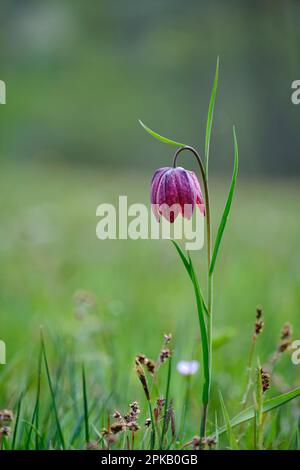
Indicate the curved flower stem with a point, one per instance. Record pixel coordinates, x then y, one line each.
207 383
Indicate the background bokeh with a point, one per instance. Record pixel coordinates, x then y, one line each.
79 75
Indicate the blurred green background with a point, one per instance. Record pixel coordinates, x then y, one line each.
79 75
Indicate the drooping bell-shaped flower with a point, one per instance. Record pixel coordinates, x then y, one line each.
175 191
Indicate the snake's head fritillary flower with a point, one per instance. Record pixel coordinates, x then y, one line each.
187 367
175 191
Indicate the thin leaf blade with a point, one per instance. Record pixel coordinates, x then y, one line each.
59 429
227 206
161 137
268 405
16 428
231 437
210 115
187 266
183 257
85 407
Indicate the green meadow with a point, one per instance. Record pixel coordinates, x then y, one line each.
100 303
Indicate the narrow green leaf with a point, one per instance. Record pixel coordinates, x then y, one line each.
85 407
227 206
210 116
183 257
17 423
187 266
198 287
203 331
35 416
268 405
232 440
297 440
160 137
95 405
60 434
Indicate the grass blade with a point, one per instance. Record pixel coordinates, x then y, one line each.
38 392
210 116
267 406
166 404
35 416
232 440
160 137
227 206
217 431
60 434
17 423
31 427
297 439
85 406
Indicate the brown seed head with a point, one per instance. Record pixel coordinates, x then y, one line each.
134 407
141 375
117 415
284 345
164 355
5 431
6 416
117 427
286 331
167 338
195 442
150 365
134 412
141 358
265 379
132 426
159 406
208 442
259 312
259 325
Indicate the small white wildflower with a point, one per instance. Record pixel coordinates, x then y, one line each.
187 367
